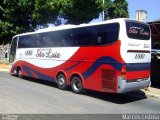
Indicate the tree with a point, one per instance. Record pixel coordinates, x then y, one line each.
80 11
46 12
117 9
18 16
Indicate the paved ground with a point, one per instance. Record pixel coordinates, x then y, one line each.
153 91
26 96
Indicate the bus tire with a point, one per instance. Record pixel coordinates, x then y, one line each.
19 72
76 85
61 81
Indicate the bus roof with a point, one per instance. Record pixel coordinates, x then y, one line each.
62 27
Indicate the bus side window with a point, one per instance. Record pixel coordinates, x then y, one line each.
25 41
21 43
28 41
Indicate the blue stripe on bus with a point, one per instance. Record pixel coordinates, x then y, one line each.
116 65
138 66
106 60
28 71
71 67
102 61
40 75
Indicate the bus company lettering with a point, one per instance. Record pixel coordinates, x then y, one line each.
143 32
47 53
133 30
137 30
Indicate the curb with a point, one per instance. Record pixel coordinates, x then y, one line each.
4 67
4 70
152 93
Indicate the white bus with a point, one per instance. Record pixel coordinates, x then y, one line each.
110 56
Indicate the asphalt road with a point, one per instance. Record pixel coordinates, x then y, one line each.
26 96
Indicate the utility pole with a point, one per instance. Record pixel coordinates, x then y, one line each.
103 13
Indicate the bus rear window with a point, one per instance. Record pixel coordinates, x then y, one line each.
137 30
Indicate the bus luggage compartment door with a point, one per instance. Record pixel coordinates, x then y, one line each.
108 80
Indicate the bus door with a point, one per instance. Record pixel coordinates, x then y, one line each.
13 50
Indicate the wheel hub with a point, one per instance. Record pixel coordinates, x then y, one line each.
61 81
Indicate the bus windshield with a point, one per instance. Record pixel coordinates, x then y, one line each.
137 30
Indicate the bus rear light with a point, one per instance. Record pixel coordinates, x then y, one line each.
123 72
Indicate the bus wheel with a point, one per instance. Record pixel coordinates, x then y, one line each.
19 72
61 82
76 85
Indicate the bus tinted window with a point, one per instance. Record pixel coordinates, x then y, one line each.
137 30
24 41
83 36
96 35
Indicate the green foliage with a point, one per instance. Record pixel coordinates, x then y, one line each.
66 11
6 31
80 11
117 9
18 16
45 12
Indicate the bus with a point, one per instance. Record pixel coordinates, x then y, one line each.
111 56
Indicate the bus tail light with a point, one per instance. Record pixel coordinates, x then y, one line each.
123 72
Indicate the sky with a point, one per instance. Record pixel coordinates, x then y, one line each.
151 6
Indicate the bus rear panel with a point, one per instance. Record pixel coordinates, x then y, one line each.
136 52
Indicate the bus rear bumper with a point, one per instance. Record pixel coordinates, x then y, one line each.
124 86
